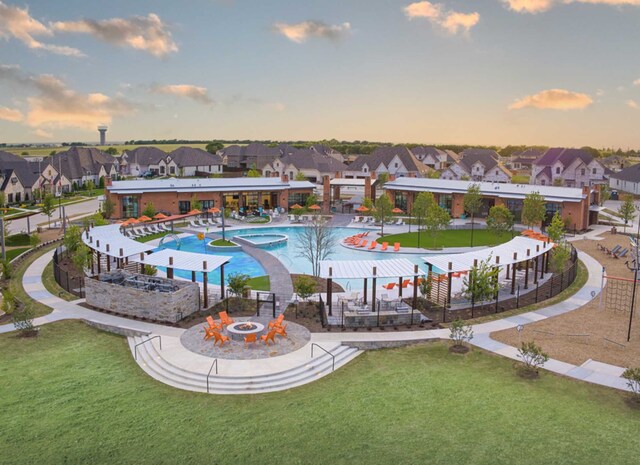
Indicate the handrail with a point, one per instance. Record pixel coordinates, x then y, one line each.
332 356
135 348
215 363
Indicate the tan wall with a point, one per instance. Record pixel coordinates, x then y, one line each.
577 214
457 205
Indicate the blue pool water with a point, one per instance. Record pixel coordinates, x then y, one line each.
287 253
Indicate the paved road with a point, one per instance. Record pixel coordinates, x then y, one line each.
82 208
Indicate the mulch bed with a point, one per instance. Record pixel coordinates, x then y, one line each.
321 283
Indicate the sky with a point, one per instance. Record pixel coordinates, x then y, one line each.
499 72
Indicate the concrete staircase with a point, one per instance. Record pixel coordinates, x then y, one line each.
177 367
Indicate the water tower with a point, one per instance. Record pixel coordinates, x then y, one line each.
103 134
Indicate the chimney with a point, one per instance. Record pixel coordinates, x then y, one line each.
285 178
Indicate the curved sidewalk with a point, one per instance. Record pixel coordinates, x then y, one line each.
32 282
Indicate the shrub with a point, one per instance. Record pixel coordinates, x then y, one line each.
7 269
237 282
632 375
460 333
149 270
532 356
8 302
304 286
23 318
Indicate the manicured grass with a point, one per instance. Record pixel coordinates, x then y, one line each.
223 243
519 179
151 237
449 238
13 253
93 193
260 283
75 395
17 240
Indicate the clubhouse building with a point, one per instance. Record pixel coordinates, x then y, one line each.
578 206
173 196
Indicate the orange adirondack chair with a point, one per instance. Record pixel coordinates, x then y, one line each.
221 338
224 319
406 283
281 330
213 324
277 322
270 335
384 246
396 246
250 339
208 332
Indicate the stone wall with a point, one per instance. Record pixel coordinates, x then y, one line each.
153 305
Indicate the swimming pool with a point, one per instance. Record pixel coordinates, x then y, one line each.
287 252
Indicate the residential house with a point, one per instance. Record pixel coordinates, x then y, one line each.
190 161
478 165
254 155
20 177
522 161
398 161
435 158
313 164
81 164
614 162
626 180
141 160
568 167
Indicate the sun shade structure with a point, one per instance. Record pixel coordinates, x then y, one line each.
295 206
169 258
315 207
397 210
110 241
160 216
144 218
195 211
362 208
516 250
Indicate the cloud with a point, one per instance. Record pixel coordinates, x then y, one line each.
537 6
198 94
10 114
146 33
636 82
553 99
449 20
300 32
17 23
53 105
42 133
276 106
633 104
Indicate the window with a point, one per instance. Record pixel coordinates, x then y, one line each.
10 198
558 170
267 174
207 204
543 182
477 169
172 170
130 207
18 197
365 169
582 172
497 172
184 206
401 200
291 175
162 169
396 165
594 171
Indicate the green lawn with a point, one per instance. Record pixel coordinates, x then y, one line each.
223 243
151 237
13 253
449 238
17 240
260 283
75 395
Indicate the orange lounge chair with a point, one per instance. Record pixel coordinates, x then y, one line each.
365 234
250 339
208 332
396 246
389 286
406 283
277 322
213 324
363 243
220 338
224 319
384 246
373 245
270 335
356 242
281 330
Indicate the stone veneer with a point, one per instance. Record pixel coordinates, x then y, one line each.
130 301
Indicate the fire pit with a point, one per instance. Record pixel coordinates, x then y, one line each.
237 331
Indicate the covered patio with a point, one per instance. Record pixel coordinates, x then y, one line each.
531 252
370 310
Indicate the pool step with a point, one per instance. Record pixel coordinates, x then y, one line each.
176 366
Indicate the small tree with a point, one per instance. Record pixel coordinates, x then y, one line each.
254 173
481 283
532 356
112 151
48 207
433 174
534 209
559 257
383 178
23 318
555 230
108 207
7 268
101 182
383 210
195 203
500 220
34 240
472 203
460 333
316 242
72 239
237 282
425 286
90 185
8 302
149 270
605 194
81 257
300 176
627 210
312 199
3 199
214 146
421 206
149 210
305 286
436 221
632 375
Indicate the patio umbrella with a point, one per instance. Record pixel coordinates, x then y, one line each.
214 210
160 216
195 211
397 210
315 207
362 209
144 218
131 221
295 206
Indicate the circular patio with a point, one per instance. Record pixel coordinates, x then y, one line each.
298 336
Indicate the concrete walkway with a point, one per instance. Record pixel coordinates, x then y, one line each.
593 372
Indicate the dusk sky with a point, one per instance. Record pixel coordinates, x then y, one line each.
552 72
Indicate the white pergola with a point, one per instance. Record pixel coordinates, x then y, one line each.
517 250
370 269
110 241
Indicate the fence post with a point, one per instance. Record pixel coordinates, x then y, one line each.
518 297
537 287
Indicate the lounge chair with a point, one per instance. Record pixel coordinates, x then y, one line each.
363 243
356 219
621 253
220 338
203 224
389 286
193 225
384 246
615 250
396 246
208 332
213 325
271 335
277 322
406 283
281 330
250 339
373 245
399 222
224 319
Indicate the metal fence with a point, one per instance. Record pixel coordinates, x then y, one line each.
72 284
